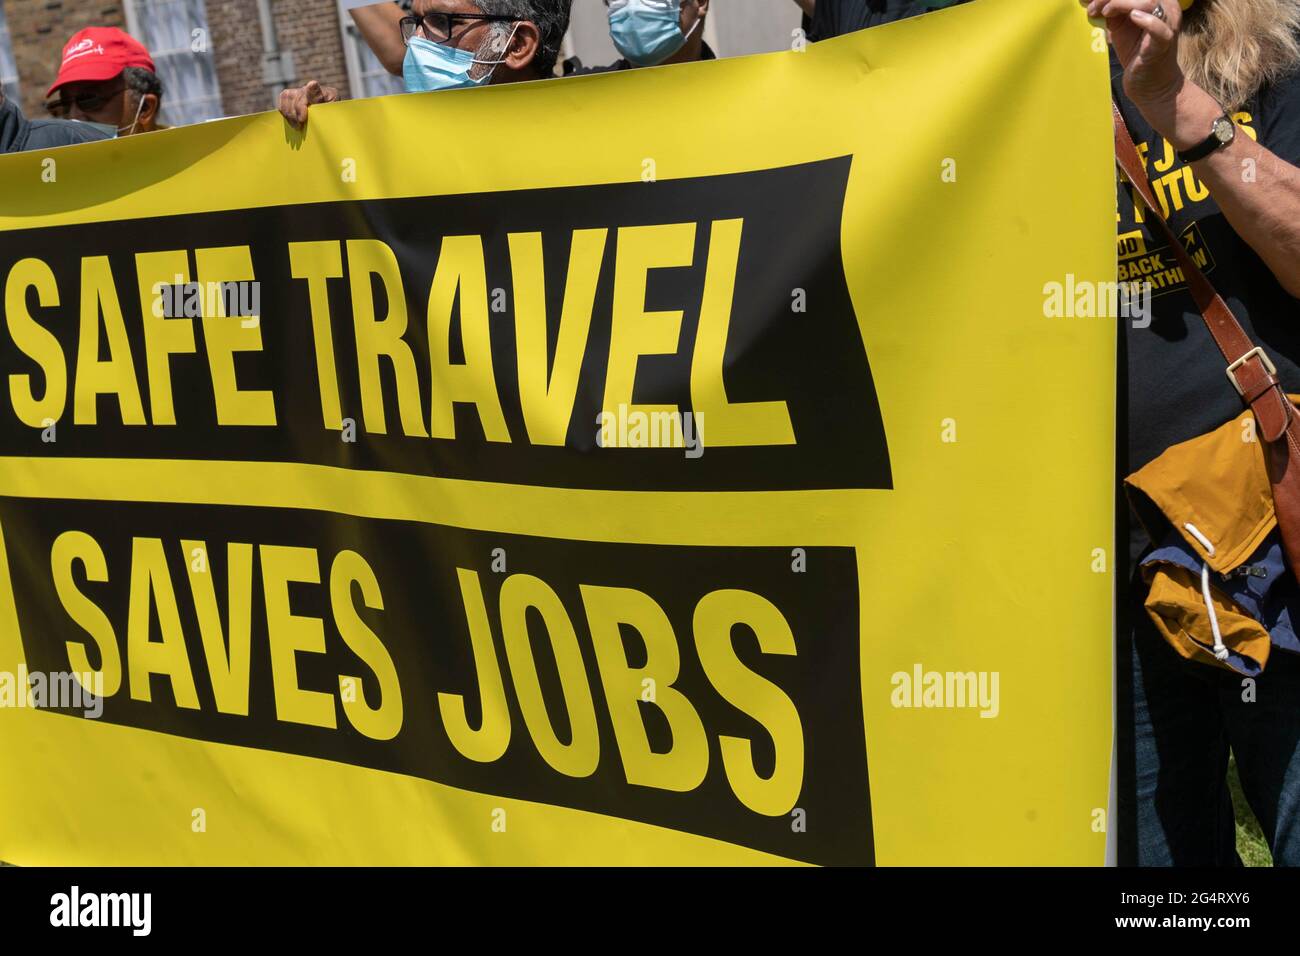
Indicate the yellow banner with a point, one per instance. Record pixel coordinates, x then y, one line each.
708 465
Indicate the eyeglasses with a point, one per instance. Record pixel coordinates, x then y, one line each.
438 26
88 101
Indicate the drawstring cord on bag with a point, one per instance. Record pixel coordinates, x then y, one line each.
1220 651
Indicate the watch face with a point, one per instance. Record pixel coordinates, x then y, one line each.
1223 130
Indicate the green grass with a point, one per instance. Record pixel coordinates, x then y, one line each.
1251 846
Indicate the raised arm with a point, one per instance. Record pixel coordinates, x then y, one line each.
378 25
1263 209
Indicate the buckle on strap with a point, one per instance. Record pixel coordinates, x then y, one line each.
1256 352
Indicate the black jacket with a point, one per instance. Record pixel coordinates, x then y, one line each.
573 66
18 133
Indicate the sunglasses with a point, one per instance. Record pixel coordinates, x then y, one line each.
88 101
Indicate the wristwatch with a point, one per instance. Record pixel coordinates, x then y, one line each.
1222 133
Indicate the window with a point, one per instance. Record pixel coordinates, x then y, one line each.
176 34
366 75
8 69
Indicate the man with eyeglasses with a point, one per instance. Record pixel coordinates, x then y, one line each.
646 32
451 44
107 80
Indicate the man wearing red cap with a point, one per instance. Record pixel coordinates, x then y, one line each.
107 78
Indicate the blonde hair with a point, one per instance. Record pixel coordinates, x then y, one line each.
1233 48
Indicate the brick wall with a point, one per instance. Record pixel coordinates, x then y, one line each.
237 52
312 33
314 41
39 29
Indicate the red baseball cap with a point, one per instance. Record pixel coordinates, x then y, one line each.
100 53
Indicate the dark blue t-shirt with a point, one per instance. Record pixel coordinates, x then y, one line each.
1172 378
573 66
833 18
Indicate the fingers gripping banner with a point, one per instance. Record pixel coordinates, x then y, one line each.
676 466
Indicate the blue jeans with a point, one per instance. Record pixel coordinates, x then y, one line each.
1177 721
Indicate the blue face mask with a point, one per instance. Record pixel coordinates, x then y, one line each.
647 32
430 66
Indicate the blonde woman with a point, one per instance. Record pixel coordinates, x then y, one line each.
1211 94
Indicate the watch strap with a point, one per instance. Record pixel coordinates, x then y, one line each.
1210 144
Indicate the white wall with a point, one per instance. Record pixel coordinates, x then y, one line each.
752 26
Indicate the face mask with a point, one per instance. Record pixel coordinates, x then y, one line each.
648 32
108 129
111 131
430 66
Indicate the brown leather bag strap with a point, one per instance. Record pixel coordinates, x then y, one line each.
1249 369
